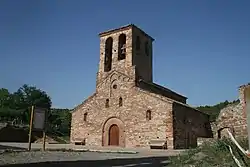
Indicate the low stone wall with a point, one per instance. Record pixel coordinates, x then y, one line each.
233 117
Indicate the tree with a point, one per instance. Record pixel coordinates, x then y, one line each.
4 97
26 96
30 95
60 121
17 105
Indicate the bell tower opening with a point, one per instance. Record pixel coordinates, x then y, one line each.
108 54
122 47
127 50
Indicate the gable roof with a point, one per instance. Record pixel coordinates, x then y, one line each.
169 99
158 89
85 101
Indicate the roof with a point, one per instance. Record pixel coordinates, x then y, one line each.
161 89
126 27
175 101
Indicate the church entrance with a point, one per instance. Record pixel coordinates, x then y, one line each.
114 135
113 132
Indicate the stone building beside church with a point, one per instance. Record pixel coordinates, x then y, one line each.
234 117
127 108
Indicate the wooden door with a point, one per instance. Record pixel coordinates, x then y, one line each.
114 135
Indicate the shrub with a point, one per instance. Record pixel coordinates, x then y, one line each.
211 154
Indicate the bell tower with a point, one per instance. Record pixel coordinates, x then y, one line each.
127 50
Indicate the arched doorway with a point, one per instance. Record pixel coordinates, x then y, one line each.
221 133
113 132
114 135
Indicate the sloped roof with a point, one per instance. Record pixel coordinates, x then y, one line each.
158 89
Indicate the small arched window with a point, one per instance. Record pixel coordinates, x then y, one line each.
85 116
120 101
107 103
148 115
138 43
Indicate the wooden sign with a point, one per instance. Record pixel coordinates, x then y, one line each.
39 119
37 122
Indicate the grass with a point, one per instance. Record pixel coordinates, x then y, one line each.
212 154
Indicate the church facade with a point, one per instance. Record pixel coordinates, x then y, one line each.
127 108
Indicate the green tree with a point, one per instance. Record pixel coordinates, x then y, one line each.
60 121
4 97
26 96
17 105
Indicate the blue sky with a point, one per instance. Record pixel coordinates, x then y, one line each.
201 47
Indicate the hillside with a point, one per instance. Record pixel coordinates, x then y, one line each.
214 110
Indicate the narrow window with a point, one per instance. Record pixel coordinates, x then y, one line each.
108 54
138 43
107 103
146 49
122 47
148 115
120 101
85 116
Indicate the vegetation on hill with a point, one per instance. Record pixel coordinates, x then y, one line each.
15 108
213 111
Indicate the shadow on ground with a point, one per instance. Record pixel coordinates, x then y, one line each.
10 147
150 161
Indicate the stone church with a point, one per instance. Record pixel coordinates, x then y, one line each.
127 108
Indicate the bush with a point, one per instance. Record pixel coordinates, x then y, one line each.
211 154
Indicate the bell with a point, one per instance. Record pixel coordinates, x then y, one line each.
123 46
123 51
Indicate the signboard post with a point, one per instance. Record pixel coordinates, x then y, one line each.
31 124
247 99
38 123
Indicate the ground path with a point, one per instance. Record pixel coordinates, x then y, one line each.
103 157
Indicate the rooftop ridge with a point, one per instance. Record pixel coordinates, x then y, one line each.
122 28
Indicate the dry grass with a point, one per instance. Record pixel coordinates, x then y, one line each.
212 154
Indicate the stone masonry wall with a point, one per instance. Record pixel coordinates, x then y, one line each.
123 66
189 124
92 119
138 130
143 62
134 58
234 117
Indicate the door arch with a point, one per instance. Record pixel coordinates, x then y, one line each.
113 132
114 135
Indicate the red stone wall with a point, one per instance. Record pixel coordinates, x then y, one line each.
138 131
234 117
130 117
